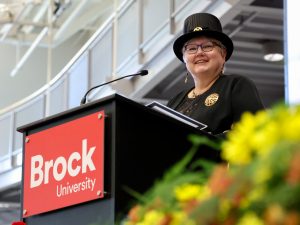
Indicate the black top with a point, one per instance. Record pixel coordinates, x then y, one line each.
222 105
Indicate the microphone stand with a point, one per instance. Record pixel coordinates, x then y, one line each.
141 73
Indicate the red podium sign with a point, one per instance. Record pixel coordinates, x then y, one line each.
64 165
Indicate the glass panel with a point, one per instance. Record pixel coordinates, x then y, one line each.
101 59
178 3
192 6
30 113
58 98
5 165
78 81
119 2
17 159
127 34
156 13
5 135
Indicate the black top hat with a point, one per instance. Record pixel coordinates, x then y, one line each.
202 24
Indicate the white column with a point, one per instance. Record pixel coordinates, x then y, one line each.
292 51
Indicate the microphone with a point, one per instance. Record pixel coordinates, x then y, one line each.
141 73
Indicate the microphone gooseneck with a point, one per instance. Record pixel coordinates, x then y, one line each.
141 73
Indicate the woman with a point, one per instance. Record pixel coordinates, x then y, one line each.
216 100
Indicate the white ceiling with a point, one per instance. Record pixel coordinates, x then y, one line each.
21 21
37 41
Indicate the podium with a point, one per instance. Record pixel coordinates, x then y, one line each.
137 145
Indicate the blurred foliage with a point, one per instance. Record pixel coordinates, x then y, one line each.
258 184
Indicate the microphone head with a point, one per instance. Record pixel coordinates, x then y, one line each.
83 100
143 72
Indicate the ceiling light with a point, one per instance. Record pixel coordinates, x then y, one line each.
273 51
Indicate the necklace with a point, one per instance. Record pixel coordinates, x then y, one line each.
187 106
194 95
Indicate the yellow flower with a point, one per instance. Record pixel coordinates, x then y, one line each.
262 174
255 194
256 135
290 124
265 138
181 218
152 217
250 218
239 147
236 152
187 192
225 206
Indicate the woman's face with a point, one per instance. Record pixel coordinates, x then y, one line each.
209 61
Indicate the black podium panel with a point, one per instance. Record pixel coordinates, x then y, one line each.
140 144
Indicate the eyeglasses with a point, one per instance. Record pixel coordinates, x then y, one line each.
205 47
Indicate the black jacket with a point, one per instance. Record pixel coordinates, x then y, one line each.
222 105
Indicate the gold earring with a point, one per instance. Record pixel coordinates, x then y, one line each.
186 78
223 69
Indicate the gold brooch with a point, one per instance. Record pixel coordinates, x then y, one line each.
211 99
197 29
